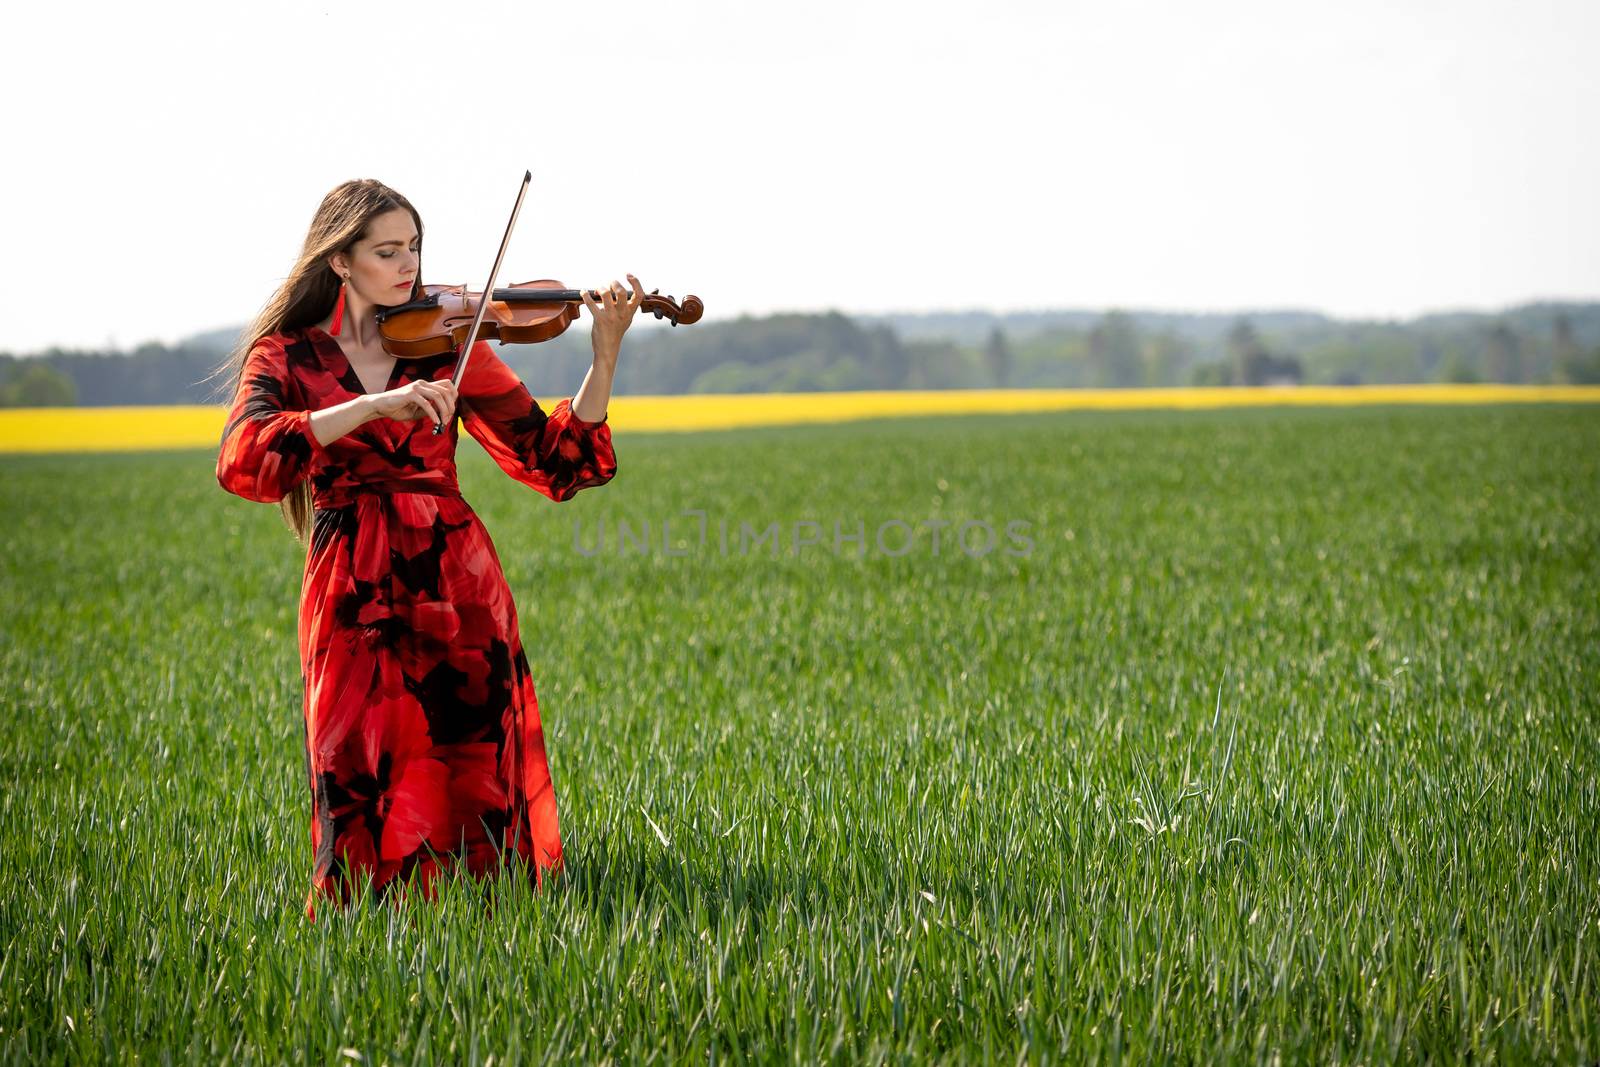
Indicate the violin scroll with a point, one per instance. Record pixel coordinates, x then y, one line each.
664 307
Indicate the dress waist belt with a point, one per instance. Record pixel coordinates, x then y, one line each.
344 495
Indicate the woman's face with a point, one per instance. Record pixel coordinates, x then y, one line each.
383 264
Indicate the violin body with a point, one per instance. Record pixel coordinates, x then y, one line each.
526 313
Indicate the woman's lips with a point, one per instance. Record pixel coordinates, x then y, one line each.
403 285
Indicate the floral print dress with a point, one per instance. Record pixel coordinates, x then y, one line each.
422 736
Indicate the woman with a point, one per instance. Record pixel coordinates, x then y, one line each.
422 737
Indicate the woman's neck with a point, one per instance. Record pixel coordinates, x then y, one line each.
359 329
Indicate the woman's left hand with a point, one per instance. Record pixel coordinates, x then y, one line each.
613 314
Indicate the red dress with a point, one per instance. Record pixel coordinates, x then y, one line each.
422 734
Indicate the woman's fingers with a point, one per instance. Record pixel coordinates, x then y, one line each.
424 402
429 408
615 300
437 399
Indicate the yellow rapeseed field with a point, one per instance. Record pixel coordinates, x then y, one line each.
103 429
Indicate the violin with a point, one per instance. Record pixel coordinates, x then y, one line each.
442 318
448 318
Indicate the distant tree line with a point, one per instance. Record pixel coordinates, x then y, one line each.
803 353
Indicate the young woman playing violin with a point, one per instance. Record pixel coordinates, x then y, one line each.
423 743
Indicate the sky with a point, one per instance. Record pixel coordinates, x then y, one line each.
1367 158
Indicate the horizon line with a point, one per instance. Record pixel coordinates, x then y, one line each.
649 322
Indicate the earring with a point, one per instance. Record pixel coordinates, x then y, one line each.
338 307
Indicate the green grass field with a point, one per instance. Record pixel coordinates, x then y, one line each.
1281 742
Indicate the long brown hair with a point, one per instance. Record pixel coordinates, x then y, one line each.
306 297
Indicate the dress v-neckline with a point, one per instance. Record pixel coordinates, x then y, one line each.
361 387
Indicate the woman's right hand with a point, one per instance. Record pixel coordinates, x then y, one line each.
421 399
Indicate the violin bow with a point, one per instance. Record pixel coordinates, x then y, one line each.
483 304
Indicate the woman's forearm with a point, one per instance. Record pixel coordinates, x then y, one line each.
589 403
330 424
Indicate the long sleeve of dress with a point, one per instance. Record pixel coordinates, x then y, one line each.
267 446
555 453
